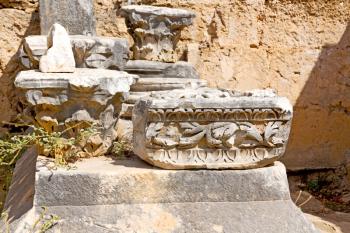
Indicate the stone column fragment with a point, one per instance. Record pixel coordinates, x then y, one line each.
156 30
77 16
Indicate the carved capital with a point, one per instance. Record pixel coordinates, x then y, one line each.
155 30
73 101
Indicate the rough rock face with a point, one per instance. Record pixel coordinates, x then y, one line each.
59 57
299 48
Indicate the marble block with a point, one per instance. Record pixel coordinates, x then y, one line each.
210 128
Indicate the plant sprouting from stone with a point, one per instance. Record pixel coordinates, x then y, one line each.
121 148
44 221
51 144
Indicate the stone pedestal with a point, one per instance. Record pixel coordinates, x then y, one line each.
107 195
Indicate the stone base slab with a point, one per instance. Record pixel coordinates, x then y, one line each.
203 217
108 195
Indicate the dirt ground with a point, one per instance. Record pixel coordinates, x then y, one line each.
324 197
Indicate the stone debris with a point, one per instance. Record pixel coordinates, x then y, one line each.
100 52
89 51
158 77
59 56
178 124
155 69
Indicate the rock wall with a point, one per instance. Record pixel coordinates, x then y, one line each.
301 48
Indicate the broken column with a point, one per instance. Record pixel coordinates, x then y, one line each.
59 56
77 16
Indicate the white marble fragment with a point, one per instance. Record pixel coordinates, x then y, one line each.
59 57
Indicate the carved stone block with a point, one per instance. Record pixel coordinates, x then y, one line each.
77 16
89 52
155 30
57 101
209 128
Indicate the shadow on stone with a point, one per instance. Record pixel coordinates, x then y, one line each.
21 195
323 108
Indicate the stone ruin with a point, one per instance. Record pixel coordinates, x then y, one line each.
173 119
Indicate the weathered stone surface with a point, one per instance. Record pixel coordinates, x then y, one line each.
124 128
211 128
155 30
20 197
60 100
59 57
164 84
103 195
100 52
89 51
267 216
131 181
158 77
77 16
154 69
33 48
